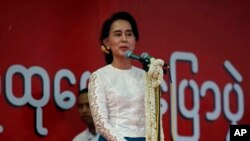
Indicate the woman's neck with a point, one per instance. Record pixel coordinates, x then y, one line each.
122 64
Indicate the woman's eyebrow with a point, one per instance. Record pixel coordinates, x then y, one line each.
118 31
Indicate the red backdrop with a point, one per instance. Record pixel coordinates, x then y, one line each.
49 48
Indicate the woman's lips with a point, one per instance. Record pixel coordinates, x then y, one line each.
124 48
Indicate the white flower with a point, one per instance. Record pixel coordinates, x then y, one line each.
155 72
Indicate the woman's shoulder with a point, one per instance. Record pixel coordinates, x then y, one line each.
101 70
139 70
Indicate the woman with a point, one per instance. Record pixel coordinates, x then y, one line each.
117 90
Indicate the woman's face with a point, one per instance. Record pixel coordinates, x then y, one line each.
121 38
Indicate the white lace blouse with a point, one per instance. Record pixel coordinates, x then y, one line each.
116 100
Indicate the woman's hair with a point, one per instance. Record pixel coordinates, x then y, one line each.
107 25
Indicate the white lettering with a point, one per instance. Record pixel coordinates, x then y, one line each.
191 114
240 132
66 99
210 85
237 132
84 79
235 87
27 74
243 131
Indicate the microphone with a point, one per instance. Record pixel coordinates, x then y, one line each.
129 54
144 58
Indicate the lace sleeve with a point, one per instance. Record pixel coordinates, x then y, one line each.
99 110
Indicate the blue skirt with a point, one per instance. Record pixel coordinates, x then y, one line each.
101 138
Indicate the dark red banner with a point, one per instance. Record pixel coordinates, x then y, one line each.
48 49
